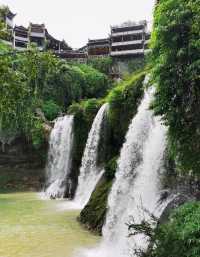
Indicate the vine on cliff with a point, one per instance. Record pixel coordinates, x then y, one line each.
176 69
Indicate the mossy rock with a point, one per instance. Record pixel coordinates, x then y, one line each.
94 213
84 114
123 101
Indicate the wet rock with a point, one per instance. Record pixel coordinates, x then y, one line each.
21 166
177 201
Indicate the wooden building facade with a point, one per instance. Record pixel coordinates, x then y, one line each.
98 47
20 37
128 39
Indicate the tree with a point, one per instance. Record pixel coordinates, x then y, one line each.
4 32
101 64
176 69
179 236
32 79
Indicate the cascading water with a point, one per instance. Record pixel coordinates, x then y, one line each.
90 173
136 187
59 157
134 199
131 158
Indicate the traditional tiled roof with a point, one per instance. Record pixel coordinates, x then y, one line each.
10 14
38 28
20 28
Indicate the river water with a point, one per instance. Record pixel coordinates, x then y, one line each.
32 227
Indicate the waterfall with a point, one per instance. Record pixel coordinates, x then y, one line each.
131 159
59 157
90 173
135 194
137 185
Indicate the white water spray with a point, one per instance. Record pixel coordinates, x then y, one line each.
137 194
136 187
59 157
90 173
131 158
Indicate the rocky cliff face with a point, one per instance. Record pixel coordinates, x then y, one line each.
21 166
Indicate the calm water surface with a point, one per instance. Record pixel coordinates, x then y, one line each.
31 227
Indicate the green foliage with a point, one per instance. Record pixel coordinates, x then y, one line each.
50 109
37 134
36 67
5 33
136 64
67 83
96 83
64 84
181 235
110 168
3 47
2 30
34 79
123 101
176 69
3 11
20 94
87 109
101 64
91 107
15 104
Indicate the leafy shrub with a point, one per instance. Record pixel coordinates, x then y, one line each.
96 83
64 84
136 64
101 64
110 168
91 107
176 68
37 135
67 83
5 33
181 235
32 77
51 110
123 101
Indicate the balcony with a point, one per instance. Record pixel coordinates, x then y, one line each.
36 34
127 52
23 39
98 46
125 43
99 56
132 32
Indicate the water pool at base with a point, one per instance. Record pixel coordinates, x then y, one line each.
31 227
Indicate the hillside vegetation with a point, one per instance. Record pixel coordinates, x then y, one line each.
31 80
